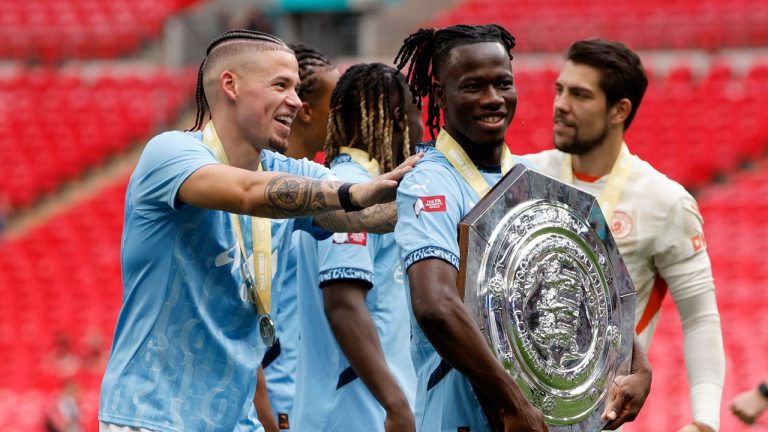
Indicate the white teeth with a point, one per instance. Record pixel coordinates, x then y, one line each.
286 120
491 119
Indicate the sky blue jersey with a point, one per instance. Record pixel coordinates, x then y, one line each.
431 201
186 345
329 395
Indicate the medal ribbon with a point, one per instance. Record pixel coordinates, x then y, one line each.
463 164
363 158
260 288
617 179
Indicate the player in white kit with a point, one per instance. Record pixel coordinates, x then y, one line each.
655 221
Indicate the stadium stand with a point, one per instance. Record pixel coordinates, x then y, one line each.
691 128
72 123
62 277
655 24
64 29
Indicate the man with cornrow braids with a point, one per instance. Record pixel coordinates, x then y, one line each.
355 371
197 276
318 77
464 72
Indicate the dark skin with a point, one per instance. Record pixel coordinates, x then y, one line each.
475 90
446 323
355 331
476 93
261 402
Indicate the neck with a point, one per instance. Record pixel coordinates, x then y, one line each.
599 161
298 150
301 145
481 155
240 152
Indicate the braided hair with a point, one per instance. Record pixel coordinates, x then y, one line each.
310 61
428 50
361 115
201 101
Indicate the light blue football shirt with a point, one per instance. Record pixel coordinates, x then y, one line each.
329 395
431 201
186 346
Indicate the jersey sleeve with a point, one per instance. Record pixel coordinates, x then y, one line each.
429 208
681 248
166 162
346 256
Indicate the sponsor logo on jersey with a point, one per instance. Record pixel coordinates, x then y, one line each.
351 238
435 203
621 225
698 242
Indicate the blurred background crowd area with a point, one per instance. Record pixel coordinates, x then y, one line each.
84 84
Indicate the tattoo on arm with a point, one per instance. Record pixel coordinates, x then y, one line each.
293 196
379 219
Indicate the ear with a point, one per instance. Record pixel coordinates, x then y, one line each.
620 111
305 113
397 114
228 84
437 87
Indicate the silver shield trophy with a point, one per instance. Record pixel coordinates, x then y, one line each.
541 275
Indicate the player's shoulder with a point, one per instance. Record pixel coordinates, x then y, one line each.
176 138
547 161
433 168
277 162
654 182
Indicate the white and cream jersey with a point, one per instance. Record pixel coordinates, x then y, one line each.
658 229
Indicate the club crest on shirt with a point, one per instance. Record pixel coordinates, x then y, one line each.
360 238
435 203
621 225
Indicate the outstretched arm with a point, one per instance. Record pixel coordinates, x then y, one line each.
446 323
378 219
276 195
356 334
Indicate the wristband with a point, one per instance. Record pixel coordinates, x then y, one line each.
345 199
763 389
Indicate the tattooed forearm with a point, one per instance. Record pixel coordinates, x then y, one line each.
379 219
292 196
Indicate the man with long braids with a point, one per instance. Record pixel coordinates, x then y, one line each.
465 73
318 77
355 371
195 317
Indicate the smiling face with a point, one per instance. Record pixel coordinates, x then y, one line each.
581 114
266 102
476 92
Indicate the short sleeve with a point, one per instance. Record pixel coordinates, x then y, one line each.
429 208
166 162
681 247
346 256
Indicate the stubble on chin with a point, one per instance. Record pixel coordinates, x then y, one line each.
277 144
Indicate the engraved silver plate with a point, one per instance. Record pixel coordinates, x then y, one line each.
543 278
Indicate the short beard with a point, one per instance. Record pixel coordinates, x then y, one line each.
582 147
277 144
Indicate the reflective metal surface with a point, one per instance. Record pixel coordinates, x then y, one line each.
544 280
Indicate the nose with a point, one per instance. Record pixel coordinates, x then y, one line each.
293 100
561 102
492 97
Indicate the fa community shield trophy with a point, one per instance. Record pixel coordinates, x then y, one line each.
541 275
